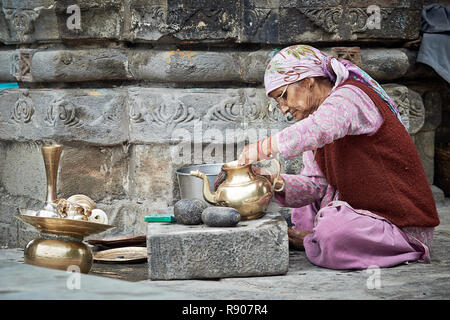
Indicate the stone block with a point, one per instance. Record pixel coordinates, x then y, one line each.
424 142
95 116
22 170
99 19
79 65
185 66
98 172
432 101
152 175
410 106
252 248
202 115
28 21
6 58
339 20
385 64
205 20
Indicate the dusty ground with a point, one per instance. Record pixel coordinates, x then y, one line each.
303 281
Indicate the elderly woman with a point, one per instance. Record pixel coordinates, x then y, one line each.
362 198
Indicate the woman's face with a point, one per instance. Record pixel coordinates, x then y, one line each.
301 98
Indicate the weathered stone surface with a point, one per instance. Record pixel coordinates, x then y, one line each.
222 21
409 104
432 101
424 142
99 19
220 217
189 211
98 172
254 248
22 170
202 115
28 21
172 65
342 20
6 63
88 115
79 65
184 66
152 173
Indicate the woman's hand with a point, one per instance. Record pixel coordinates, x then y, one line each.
249 154
263 149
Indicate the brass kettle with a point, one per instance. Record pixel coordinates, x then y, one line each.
242 189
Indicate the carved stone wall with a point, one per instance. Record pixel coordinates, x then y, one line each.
136 89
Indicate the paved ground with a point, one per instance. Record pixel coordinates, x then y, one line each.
303 281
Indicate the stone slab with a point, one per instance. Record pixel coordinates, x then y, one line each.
252 248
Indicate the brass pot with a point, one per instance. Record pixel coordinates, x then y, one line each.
60 243
242 189
59 254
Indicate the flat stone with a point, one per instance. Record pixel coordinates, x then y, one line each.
252 248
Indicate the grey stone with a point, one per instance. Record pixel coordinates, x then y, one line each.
220 217
254 248
433 110
424 142
410 106
189 211
223 21
169 64
79 65
96 116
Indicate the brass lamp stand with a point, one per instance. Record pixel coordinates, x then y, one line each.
60 242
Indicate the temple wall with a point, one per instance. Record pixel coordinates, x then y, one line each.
128 86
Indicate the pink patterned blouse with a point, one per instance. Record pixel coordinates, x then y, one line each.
346 111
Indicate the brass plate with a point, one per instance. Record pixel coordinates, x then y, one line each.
122 255
60 226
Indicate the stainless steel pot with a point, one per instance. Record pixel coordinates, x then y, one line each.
192 187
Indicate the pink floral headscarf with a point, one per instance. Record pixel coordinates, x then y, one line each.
298 62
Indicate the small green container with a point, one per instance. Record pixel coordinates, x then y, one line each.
160 218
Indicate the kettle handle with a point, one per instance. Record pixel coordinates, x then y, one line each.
277 178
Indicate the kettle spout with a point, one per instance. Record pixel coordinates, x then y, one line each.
207 194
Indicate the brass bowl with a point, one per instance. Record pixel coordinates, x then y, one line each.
65 227
60 243
58 254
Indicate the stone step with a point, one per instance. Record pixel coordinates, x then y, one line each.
252 248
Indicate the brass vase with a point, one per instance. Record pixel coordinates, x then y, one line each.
51 155
60 243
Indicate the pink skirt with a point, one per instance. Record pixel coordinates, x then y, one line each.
346 238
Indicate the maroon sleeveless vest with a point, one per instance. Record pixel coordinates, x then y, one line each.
381 173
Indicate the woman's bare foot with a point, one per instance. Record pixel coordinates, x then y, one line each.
296 238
